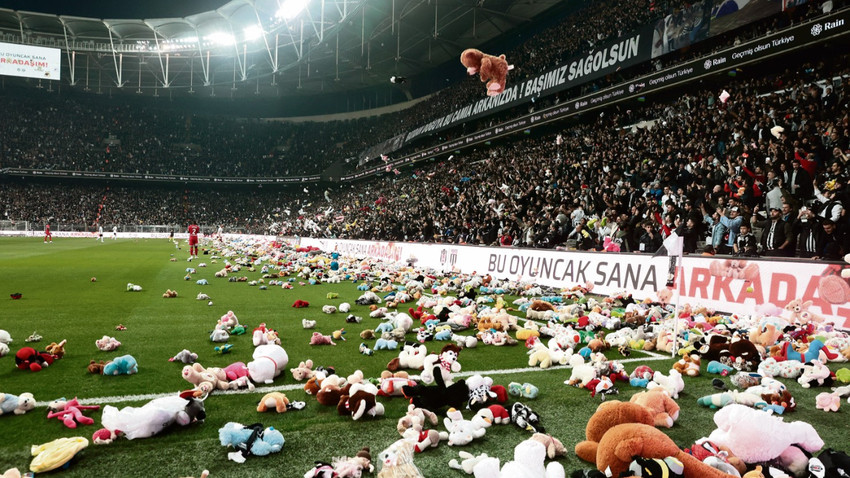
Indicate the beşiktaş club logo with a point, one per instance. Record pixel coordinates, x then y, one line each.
707 64
817 28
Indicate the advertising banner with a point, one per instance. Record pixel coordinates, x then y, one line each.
756 50
30 61
608 58
729 285
154 177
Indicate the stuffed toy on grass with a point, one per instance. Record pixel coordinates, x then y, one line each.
123 365
439 396
319 339
529 462
16 404
184 356
107 343
755 437
55 454
665 410
492 69
269 361
70 412
153 417
304 371
461 431
360 401
28 359
274 401
250 440
446 363
396 461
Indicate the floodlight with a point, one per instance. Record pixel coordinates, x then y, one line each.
289 9
253 32
220 38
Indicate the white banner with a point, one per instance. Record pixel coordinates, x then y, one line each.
723 284
30 61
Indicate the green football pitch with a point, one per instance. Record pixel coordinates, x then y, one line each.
61 302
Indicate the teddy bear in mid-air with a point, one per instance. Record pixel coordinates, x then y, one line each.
492 69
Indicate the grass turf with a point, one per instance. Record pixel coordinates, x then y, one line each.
60 302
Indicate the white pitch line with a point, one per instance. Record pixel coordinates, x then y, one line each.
299 386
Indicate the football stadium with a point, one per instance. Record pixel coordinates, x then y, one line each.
425 238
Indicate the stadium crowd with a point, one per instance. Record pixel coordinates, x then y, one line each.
65 133
772 157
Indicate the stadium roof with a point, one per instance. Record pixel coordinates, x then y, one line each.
248 47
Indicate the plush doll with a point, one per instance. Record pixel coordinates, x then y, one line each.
772 367
273 400
319 339
184 356
269 361
391 383
620 444
107 343
529 462
717 456
360 401
492 69
355 466
461 431
308 324
439 396
828 402
672 383
70 412
169 294
28 359
755 437
410 357
235 371
816 348
299 304
468 462
153 417
608 415
688 365
816 374
219 335
104 436
196 374
397 461
664 409
16 404
250 440
554 447
526 418
123 365
55 454
96 368
304 371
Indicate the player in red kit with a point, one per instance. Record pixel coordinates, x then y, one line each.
193 231
47 235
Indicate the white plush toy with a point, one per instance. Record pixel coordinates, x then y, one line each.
447 361
582 372
107 343
17 404
468 461
672 383
461 432
5 340
345 307
269 361
528 462
329 309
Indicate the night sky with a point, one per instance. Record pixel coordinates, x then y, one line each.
104 9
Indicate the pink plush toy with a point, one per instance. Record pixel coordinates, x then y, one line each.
828 402
755 437
319 339
70 412
107 343
235 371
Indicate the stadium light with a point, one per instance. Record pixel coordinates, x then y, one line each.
220 38
253 32
291 8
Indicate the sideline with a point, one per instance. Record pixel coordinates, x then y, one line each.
299 386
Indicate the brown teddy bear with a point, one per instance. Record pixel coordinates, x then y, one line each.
492 69
688 365
608 415
664 409
620 444
96 368
275 400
